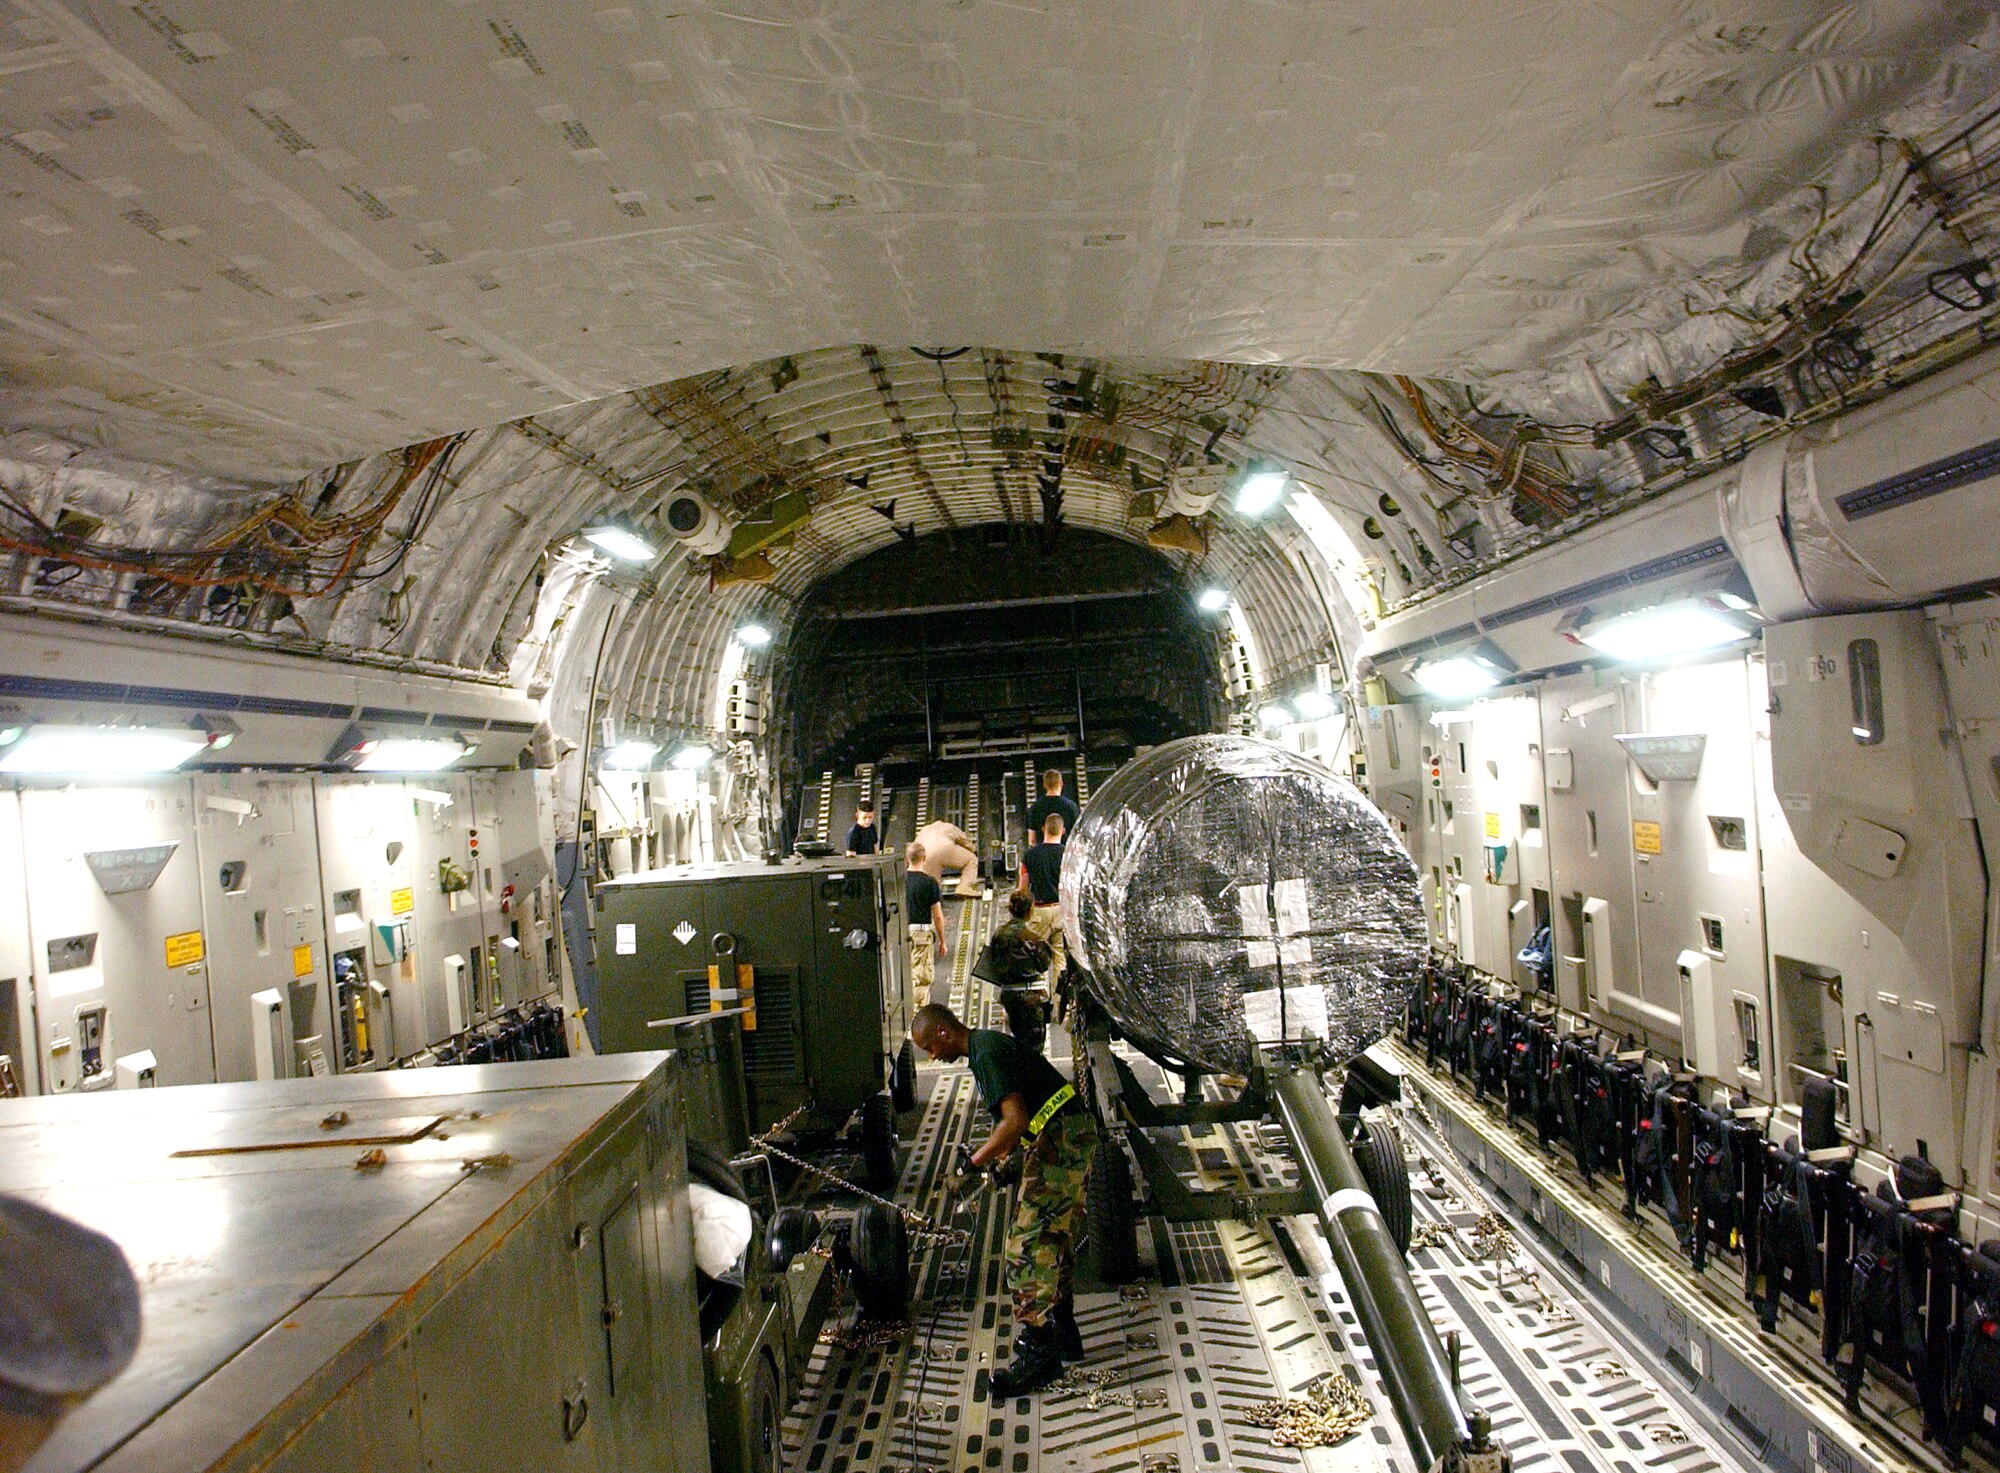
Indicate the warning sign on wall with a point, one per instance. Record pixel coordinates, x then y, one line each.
1492 825
184 949
1645 837
302 960
403 901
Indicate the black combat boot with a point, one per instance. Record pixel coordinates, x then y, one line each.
1035 1364
1069 1338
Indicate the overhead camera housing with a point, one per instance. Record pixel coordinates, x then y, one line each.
695 522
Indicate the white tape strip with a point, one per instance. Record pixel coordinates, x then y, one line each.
1346 1199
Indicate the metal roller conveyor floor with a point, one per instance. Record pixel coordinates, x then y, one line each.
1226 1319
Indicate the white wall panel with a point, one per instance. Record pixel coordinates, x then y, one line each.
119 943
259 860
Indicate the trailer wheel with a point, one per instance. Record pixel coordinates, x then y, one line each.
1379 1154
793 1231
878 1141
767 1453
879 1246
903 1085
1114 1219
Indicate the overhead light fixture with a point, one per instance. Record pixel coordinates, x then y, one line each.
753 636
1274 715
1261 490
85 751
363 750
219 730
1458 676
1685 627
631 756
621 542
1314 705
1212 600
694 755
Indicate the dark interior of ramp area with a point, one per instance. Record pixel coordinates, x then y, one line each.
992 643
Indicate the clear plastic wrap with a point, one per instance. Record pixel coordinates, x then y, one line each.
1222 891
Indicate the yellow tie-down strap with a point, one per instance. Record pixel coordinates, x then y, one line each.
743 993
1049 1107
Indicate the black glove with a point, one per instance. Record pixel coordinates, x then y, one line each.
1006 1173
964 1178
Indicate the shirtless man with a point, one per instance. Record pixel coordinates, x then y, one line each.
947 846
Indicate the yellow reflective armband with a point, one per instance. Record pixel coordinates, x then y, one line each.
1049 1107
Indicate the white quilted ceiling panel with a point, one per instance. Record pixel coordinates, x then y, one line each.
249 236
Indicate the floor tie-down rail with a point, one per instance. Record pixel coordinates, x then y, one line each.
1226 1318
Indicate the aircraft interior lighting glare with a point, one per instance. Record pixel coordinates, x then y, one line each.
631 756
1314 705
1457 676
1683 628
753 636
693 755
90 750
1212 600
1261 490
621 543
363 750
1273 716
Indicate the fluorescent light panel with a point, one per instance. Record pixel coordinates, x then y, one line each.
90 750
409 754
1683 628
622 543
693 755
631 756
1314 705
1273 716
1214 600
754 636
1260 491
1457 676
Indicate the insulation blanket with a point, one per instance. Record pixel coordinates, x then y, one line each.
1221 892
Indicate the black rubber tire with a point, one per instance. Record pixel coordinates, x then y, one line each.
712 1169
765 1432
878 1141
879 1245
793 1231
903 1084
1114 1216
1379 1154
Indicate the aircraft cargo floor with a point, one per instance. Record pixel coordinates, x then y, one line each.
1224 1320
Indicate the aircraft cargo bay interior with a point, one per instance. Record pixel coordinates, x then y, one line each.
968 736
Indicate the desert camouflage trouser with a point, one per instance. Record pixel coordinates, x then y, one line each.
1045 924
923 964
1049 1218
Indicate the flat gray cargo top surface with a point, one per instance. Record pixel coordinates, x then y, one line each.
748 869
246 1218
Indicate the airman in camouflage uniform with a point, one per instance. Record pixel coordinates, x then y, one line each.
1049 1218
1035 1108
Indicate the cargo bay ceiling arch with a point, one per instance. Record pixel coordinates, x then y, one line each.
1618 249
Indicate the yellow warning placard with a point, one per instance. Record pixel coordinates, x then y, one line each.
302 960
403 901
1492 825
1645 837
185 949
